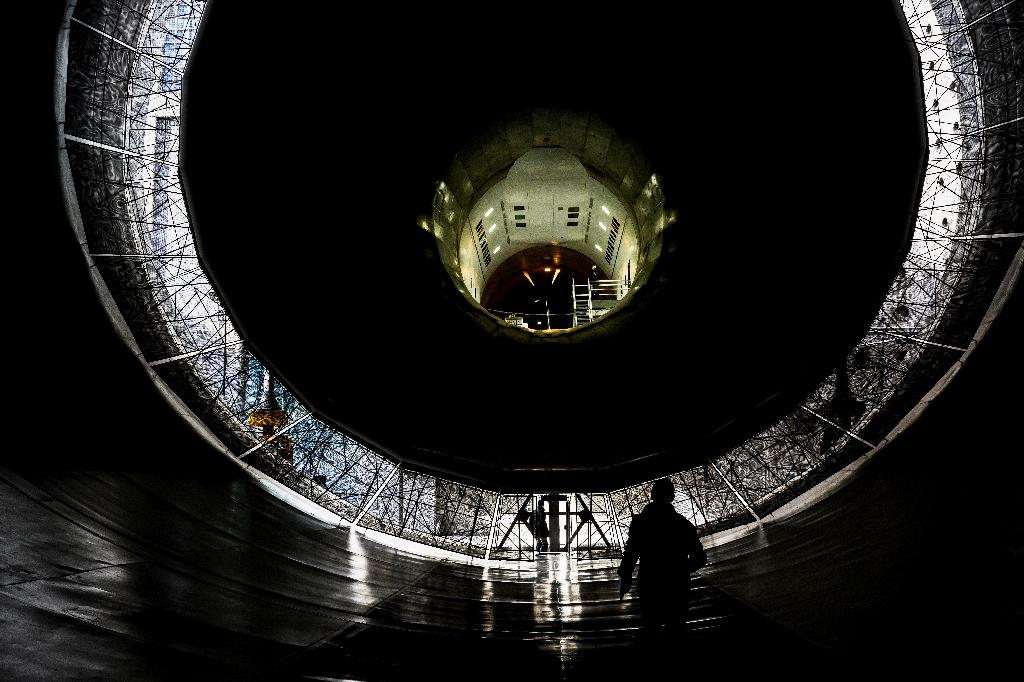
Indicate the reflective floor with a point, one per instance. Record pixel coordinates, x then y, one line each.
136 576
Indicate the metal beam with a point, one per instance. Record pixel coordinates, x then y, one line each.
494 520
1000 235
476 517
923 341
971 237
615 516
985 129
192 354
735 492
119 150
522 509
590 514
279 433
129 47
146 256
832 423
369 503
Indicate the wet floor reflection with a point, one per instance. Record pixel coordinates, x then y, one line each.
487 602
264 588
556 594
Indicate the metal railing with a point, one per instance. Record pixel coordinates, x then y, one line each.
589 300
595 297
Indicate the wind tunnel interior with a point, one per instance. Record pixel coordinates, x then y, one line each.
133 548
327 276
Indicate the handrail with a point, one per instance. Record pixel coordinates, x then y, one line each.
582 299
601 288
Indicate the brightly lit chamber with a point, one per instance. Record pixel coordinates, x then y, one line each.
560 236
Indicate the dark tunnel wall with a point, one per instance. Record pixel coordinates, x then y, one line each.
919 558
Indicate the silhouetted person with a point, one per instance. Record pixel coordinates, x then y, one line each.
670 550
539 527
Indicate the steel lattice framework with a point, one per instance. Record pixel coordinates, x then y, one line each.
125 64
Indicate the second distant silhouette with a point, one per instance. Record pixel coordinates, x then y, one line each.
539 527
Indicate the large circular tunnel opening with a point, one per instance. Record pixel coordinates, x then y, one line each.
150 575
744 291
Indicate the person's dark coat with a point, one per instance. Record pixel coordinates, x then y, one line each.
669 548
538 526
